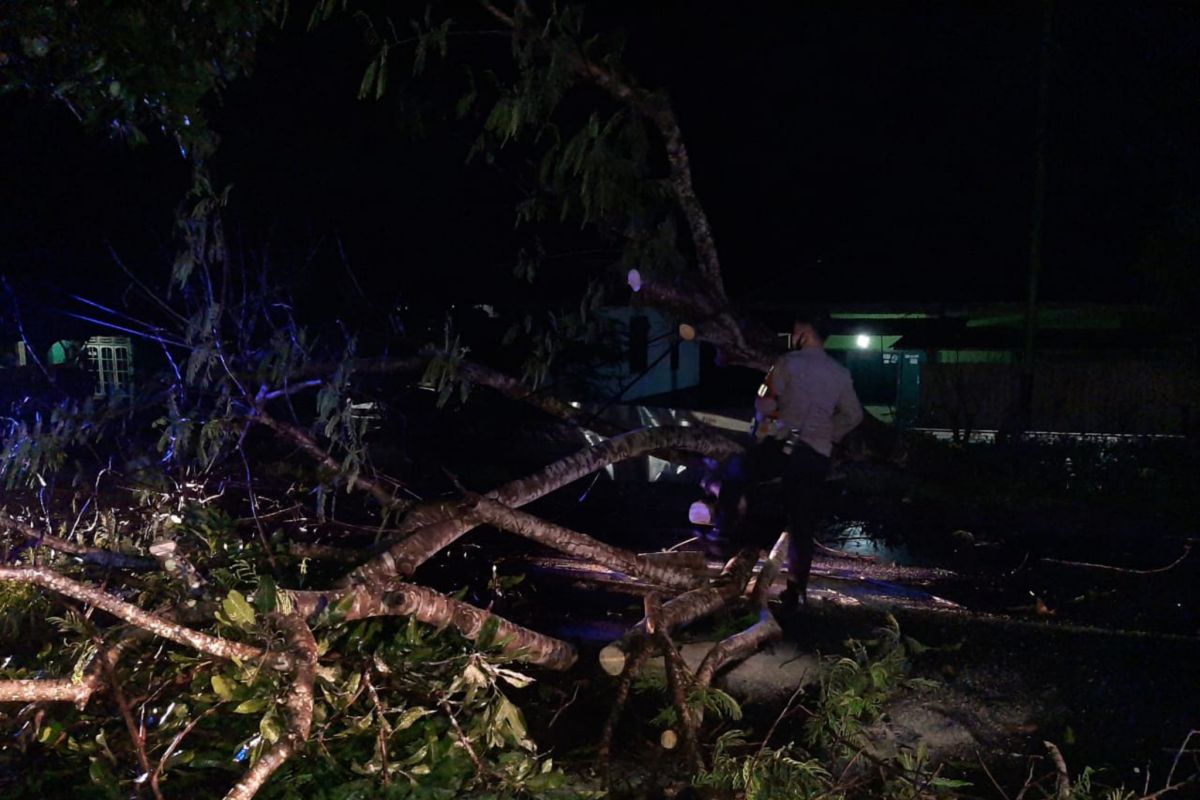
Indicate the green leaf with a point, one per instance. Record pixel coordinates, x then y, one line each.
100 775
251 706
411 716
368 80
238 611
270 727
487 633
511 718
949 783
381 76
48 733
222 687
266 596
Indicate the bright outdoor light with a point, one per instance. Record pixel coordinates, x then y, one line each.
863 341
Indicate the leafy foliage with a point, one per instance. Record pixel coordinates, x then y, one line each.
602 168
855 687
127 65
394 716
35 445
767 773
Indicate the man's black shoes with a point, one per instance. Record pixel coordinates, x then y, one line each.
791 599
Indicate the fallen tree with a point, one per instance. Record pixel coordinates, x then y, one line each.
165 607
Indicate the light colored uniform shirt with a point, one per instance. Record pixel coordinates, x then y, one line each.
815 395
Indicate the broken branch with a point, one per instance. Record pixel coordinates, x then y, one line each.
580 545
1187 549
434 608
404 557
737 647
685 609
152 623
299 437
89 555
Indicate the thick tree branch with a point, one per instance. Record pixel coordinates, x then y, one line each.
709 301
711 318
404 557
512 388
655 108
580 545
637 658
434 608
298 709
737 647
50 690
685 609
742 645
88 555
151 623
1062 779
678 680
68 690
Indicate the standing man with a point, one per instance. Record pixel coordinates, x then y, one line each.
808 407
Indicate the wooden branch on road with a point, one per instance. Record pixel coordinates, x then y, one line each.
685 609
403 558
581 545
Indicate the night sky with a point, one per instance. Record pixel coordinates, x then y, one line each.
843 152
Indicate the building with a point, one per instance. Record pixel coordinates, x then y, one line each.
1096 369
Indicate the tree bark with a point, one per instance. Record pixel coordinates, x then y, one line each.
711 318
512 388
298 708
678 679
434 608
637 658
737 647
581 545
742 645
691 560
685 609
709 299
49 690
152 623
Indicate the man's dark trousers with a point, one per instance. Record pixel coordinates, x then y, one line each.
804 471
